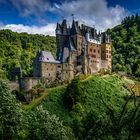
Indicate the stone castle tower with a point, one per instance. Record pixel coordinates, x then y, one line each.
80 49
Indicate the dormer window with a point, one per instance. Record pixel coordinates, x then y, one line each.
47 58
41 58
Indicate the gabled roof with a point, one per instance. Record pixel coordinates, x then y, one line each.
46 56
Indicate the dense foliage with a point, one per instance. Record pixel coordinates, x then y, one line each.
38 124
20 49
45 126
102 108
126 43
10 114
97 107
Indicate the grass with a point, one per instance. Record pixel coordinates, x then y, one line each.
35 102
96 89
43 96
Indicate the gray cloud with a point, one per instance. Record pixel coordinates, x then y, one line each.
90 12
31 7
93 12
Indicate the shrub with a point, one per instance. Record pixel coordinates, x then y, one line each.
73 93
44 126
11 115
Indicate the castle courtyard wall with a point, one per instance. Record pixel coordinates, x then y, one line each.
49 70
28 83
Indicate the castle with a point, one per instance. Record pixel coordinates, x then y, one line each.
80 49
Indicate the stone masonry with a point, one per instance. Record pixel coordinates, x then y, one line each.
80 49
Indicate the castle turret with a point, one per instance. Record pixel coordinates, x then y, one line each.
61 38
75 29
58 29
64 27
85 61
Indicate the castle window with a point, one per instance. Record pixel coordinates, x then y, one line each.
49 74
106 51
107 56
78 63
59 66
94 56
90 50
94 50
98 51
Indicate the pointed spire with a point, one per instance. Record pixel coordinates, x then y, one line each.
74 29
58 29
64 27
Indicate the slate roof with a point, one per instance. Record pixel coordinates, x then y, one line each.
46 56
71 45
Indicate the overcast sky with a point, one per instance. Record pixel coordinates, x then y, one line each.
41 16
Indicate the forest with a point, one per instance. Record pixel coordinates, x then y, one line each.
99 107
91 107
19 50
126 45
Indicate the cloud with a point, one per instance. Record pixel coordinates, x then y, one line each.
92 12
89 12
31 7
45 30
2 2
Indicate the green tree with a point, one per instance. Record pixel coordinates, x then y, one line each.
73 93
138 70
44 126
10 114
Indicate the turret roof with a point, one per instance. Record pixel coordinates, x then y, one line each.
46 56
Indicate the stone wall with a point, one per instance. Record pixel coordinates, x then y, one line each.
13 85
28 82
79 44
49 70
36 68
106 54
67 72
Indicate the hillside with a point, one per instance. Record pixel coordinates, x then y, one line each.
20 49
126 43
94 107
90 107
